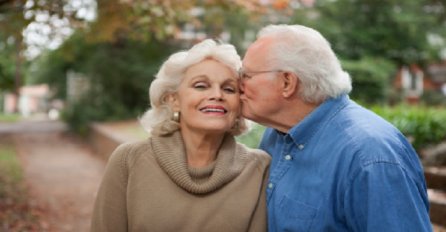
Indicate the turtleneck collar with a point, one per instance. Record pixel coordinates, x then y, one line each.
169 152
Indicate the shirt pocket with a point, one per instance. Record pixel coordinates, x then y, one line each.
297 216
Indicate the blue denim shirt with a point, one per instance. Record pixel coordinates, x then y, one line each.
343 168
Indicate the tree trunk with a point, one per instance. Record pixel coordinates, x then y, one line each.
18 72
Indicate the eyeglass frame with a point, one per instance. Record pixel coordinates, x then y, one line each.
244 75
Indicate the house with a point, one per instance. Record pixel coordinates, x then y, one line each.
32 99
437 73
413 81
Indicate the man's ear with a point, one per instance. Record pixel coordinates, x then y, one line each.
172 100
290 84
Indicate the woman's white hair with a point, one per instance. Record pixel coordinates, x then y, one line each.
158 120
305 52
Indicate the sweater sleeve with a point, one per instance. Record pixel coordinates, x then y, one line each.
110 209
259 219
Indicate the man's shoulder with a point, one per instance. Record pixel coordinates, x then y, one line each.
365 136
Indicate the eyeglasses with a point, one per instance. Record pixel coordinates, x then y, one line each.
248 75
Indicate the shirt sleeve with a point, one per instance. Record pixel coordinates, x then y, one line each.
110 212
382 196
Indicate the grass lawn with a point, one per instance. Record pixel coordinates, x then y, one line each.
15 212
9 117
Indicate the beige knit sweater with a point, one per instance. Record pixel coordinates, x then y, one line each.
148 186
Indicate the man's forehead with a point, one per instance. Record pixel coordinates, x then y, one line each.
256 51
261 44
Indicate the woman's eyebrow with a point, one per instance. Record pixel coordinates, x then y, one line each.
200 76
231 80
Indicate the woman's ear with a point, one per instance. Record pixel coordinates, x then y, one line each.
290 84
172 100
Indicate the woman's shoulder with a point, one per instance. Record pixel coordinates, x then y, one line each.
131 151
255 154
134 146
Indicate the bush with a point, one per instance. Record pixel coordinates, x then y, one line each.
434 98
253 136
423 126
371 79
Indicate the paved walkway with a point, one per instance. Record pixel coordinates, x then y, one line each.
61 171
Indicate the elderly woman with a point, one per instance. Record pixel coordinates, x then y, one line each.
190 175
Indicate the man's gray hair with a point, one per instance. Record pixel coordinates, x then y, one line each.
305 52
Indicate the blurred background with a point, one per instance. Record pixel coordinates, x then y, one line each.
88 60
78 71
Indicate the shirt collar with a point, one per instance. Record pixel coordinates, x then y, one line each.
302 132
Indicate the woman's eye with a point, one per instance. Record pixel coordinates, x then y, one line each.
200 86
230 89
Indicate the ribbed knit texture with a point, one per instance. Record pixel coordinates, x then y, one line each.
201 174
170 154
148 186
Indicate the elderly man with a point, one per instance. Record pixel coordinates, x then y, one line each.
336 166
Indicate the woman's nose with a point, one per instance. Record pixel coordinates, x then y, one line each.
216 94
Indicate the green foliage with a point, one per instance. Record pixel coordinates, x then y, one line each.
424 126
8 63
252 137
6 80
10 176
371 79
115 56
16 213
433 98
79 116
375 37
51 68
118 74
394 29
138 20
9 117
230 18
15 18
10 170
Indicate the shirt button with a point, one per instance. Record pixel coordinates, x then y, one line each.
288 157
270 185
301 146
